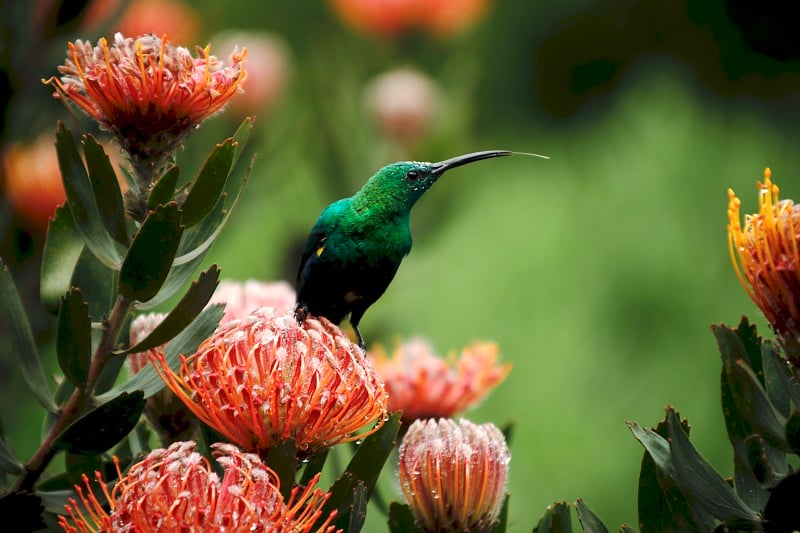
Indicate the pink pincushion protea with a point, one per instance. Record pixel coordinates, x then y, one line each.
242 298
175 489
423 385
454 475
264 379
146 91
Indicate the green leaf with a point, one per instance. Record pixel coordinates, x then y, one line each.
754 405
106 190
195 243
365 467
186 343
12 314
73 337
358 510
62 247
282 458
81 200
164 188
556 519
192 303
590 522
752 346
210 183
401 519
662 506
314 466
793 432
698 479
241 137
150 256
97 282
8 461
777 379
101 428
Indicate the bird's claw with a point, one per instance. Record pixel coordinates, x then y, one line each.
300 313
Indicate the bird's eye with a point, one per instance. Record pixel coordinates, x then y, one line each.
412 175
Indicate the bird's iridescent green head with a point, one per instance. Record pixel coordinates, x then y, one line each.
406 181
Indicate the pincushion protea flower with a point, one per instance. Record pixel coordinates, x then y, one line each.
423 385
453 475
265 379
243 297
146 91
175 489
765 256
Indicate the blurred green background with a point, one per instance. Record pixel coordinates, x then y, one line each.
597 272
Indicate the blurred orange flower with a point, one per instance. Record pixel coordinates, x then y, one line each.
147 92
176 489
423 385
32 181
391 18
264 379
454 475
765 255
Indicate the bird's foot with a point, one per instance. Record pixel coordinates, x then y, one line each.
300 313
360 339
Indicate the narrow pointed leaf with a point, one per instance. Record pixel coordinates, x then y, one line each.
282 459
314 466
186 342
164 188
241 136
401 519
81 200
209 184
106 189
777 378
697 477
365 466
662 506
754 405
8 461
192 303
195 243
103 427
590 522
62 247
556 519
358 510
97 282
12 314
150 256
73 337
751 342
793 432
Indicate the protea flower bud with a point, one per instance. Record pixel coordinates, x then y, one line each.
454 475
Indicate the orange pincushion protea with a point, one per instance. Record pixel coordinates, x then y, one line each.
765 255
423 385
454 475
175 489
265 379
146 91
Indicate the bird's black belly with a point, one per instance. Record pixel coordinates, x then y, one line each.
335 289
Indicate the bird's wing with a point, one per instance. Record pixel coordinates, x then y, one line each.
315 244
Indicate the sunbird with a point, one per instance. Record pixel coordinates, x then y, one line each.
357 244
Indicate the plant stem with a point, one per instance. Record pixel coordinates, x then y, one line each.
79 399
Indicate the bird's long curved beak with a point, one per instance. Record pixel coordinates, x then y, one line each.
442 166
